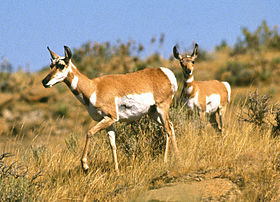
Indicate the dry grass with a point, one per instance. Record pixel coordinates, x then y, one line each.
244 154
48 139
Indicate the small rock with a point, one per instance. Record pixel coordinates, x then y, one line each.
205 190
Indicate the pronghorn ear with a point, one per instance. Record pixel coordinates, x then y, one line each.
53 55
68 54
195 51
176 53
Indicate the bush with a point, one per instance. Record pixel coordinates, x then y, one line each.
257 109
262 38
275 62
237 73
62 110
16 184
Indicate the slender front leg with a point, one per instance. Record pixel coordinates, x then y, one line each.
161 116
166 148
104 123
170 134
111 134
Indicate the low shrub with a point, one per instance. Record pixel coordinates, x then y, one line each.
237 73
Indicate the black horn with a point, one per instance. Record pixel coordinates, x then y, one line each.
53 55
176 53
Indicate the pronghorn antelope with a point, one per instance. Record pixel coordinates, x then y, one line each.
206 97
122 97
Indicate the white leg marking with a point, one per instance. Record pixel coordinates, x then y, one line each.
85 165
111 134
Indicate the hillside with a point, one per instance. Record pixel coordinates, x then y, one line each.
42 133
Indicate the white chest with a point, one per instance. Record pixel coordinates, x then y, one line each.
94 112
192 102
133 106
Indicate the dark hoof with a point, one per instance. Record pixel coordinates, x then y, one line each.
85 171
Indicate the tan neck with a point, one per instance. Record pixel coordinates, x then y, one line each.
79 84
188 85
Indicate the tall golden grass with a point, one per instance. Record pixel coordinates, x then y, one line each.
245 154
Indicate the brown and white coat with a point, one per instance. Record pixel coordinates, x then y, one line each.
205 97
122 97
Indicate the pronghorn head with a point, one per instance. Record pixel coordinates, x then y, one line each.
186 61
60 66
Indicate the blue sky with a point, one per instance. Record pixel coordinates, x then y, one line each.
28 27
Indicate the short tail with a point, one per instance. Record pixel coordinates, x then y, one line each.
228 89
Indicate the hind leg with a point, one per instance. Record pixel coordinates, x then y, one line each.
160 115
214 123
221 112
103 124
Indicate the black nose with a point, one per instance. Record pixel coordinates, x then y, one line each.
45 81
188 71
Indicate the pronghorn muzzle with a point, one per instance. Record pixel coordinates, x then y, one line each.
187 72
46 81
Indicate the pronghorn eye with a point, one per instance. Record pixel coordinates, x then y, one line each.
51 66
193 62
59 66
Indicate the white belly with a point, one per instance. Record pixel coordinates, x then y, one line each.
212 103
133 106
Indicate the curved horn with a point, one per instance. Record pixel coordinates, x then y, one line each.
53 55
68 53
195 51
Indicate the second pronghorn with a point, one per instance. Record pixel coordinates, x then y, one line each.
207 97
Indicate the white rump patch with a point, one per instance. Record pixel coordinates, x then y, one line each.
212 103
133 106
171 77
228 89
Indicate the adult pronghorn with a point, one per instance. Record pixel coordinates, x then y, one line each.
122 97
207 97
